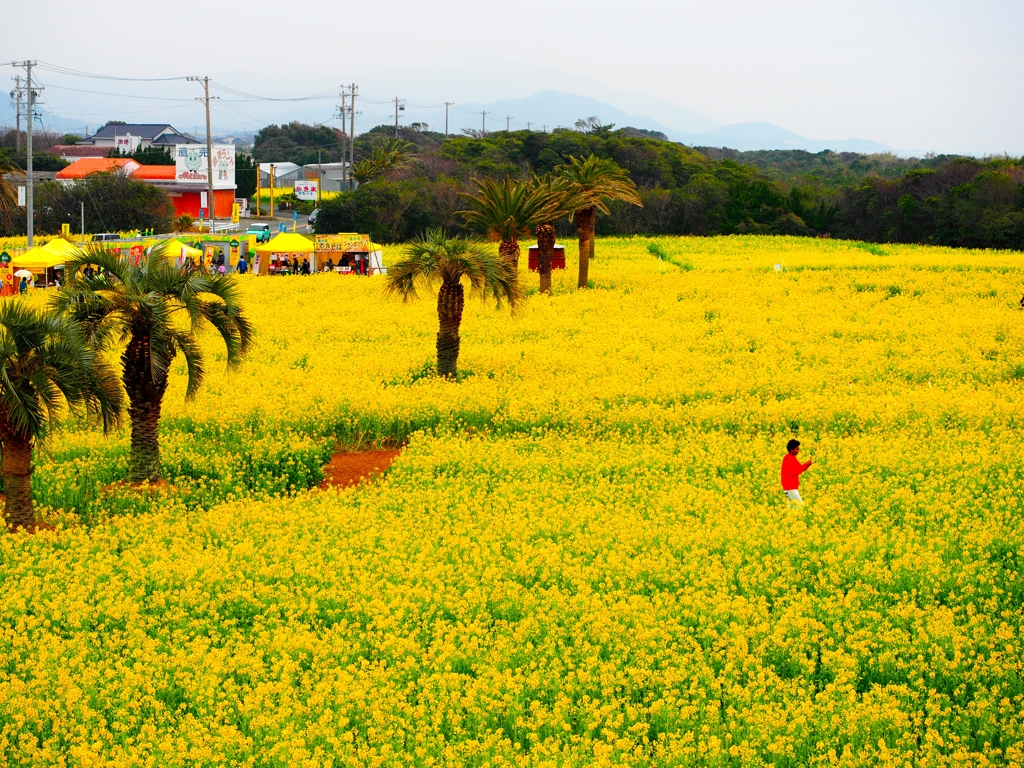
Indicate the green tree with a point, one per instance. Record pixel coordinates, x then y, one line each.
509 209
436 258
592 183
245 175
113 202
155 309
45 365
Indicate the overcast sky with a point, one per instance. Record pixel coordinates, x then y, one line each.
926 75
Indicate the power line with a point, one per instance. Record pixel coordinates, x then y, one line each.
56 68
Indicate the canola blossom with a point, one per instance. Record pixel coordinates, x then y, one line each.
582 556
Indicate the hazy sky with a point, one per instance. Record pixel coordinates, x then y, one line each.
927 75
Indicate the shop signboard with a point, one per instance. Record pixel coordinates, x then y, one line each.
306 190
126 144
344 243
190 165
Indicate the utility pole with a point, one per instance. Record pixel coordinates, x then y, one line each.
343 114
483 123
82 204
16 94
352 135
528 124
210 207
545 127
447 104
271 190
319 177
508 124
397 107
30 96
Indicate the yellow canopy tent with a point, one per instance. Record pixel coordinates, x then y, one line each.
175 249
284 243
62 248
39 261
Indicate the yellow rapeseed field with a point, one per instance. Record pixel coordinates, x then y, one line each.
582 556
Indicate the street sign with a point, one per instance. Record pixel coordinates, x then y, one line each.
280 227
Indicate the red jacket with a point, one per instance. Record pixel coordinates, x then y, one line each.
791 471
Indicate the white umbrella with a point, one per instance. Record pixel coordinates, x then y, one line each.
23 273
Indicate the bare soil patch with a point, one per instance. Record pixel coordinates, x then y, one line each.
347 469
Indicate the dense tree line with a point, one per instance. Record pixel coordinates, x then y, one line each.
297 143
940 200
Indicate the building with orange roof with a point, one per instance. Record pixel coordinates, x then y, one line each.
86 166
185 182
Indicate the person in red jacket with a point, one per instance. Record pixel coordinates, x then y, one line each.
791 471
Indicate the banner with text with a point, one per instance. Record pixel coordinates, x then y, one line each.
190 165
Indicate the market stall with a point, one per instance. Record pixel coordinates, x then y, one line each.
348 252
287 246
44 261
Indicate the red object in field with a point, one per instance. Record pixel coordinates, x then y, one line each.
557 258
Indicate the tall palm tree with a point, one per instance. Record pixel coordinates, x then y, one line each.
436 258
507 210
155 309
45 364
594 182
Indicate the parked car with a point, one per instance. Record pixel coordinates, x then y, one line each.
262 232
312 216
105 237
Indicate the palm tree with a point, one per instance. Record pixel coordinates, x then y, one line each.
594 182
508 210
45 364
155 309
436 258
387 154
561 201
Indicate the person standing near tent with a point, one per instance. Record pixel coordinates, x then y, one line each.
791 471
23 285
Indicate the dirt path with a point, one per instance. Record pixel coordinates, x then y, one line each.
348 469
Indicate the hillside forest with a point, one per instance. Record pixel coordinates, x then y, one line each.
941 200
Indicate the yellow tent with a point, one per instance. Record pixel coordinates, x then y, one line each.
175 249
38 259
61 247
287 242
284 243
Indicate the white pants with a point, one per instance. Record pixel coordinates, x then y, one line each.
793 497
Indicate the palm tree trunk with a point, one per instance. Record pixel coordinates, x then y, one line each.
450 303
593 235
584 229
145 396
509 250
17 467
144 462
545 252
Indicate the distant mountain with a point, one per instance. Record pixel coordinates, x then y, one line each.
754 136
555 109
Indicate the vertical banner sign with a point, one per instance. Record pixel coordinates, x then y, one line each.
295 221
236 212
65 229
233 254
22 200
211 251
